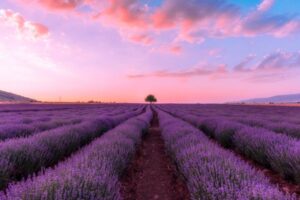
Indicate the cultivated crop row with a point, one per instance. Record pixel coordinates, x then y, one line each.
283 126
290 129
284 120
19 115
92 173
210 171
279 152
21 157
8 131
7 108
21 124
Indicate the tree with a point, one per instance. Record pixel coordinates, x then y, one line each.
150 98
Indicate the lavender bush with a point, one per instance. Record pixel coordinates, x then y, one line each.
90 174
22 130
285 127
284 120
23 156
210 171
278 152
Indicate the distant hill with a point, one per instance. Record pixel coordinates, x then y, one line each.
13 98
289 98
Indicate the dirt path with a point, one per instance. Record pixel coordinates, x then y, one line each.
152 175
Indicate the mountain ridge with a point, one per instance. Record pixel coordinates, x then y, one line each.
13 98
286 98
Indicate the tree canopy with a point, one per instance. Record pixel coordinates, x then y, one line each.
150 98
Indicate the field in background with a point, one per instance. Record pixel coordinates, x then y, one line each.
84 151
275 104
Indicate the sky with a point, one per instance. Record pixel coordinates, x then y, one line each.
182 51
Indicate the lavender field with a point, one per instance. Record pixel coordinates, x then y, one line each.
149 100
222 137
86 151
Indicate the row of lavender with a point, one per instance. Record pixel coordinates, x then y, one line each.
268 113
22 116
20 157
21 124
92 173
37 107
278 152
279 119
210 171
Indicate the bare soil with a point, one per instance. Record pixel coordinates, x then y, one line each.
152 175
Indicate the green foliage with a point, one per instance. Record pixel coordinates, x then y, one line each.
150 98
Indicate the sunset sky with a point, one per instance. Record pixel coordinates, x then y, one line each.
122 50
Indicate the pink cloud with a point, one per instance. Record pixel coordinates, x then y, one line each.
214 52
129 17
199 70
258 23
273 65
61 4
265 5
175 49
243 66
35 29
130 13
287 29
141 38
280 60
187 14
25 27
199 20
193 21
276 62
124 14
56 4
